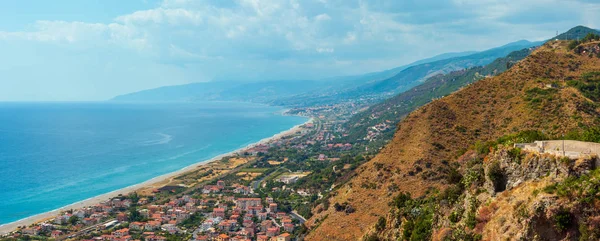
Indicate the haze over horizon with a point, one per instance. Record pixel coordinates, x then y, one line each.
93 50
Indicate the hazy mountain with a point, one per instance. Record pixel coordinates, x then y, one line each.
412 76
268 91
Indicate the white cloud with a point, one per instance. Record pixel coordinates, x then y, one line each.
322 17
177 16
325 50
274 38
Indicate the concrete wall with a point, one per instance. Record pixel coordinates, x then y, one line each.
572 149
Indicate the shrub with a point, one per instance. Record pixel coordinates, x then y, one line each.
372 237
452 193
453 176
456 215
515 154
401 200
562 220
483 148
380 224
588 85
573 44
473 176
590 134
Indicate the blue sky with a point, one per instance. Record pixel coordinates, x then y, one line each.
96 49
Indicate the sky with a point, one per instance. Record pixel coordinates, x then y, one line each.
88 50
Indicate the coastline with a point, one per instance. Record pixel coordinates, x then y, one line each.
10 227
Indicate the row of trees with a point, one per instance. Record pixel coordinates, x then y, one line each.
588 38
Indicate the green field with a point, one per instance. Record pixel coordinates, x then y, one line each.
261 170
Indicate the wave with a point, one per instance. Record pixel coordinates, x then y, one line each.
165 139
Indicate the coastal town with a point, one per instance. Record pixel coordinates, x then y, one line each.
264 192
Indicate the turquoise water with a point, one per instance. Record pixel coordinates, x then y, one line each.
55 154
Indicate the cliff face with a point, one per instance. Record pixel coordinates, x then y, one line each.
506 195
424 154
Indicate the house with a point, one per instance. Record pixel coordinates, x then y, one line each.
284 237
107 237
202 238
122 217
219 212
170 227
286 220
60 220
273 208
56 233
152 225
262 216
89 221
322 157
255 209
223 237
155 238
211 189
79 213
273 231
31 231
266 225
262 238
288 227
136 226
245 203
121 232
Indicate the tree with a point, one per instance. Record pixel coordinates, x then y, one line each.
73 220
134 215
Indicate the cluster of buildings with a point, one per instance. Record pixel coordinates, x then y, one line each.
376 130
228 213
249 219
339 146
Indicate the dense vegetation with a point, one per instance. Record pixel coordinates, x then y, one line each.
588 38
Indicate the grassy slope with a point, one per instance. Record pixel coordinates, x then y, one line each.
436 133
435 87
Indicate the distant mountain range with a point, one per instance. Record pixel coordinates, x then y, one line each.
416 74
376 85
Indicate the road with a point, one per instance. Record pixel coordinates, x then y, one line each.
275 222
84 231
298 216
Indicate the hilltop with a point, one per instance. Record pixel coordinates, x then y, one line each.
549 92
576 33
390 111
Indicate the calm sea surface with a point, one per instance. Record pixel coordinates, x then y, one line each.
55 154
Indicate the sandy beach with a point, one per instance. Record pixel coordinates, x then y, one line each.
9 227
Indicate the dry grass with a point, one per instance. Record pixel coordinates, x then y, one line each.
487 109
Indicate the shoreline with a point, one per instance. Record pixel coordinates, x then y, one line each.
12 226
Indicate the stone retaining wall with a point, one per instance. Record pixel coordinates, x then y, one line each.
568 148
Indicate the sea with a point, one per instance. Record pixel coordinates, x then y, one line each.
55 154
